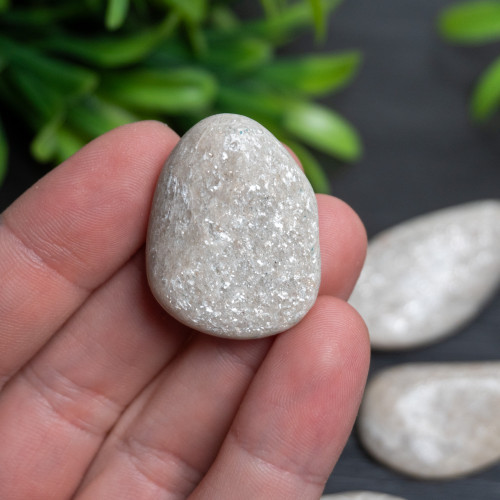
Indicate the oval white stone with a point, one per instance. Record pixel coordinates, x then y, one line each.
233 242
433 421
424 278
360 495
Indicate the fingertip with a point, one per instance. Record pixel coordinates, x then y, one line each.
339 337
343 244
355 344
139 144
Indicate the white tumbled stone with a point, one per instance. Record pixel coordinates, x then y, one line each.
433 420
426 277
360 495
233 242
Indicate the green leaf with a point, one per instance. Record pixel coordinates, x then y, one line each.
68 143
279 29
324 130
38 17
4 154
64 77
171 53
471 22
113 51
237 55
223 18
319 18
4 6
94 116
196 37
253 102
313 75
161 91
44 145
486 95
39 101
116 13
193 11
313 170
271 7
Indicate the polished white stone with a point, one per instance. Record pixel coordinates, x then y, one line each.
423 279
433 421
360 495
233 242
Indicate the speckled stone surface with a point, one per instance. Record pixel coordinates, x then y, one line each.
360 495
233 241
433 421
423 279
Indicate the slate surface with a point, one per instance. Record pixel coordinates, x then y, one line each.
421 154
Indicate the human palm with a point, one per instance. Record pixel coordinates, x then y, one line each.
104 396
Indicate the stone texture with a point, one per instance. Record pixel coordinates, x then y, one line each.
424 278
433 421
360 495
233 242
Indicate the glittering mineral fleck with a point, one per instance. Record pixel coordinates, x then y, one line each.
433 420
232 247
424 278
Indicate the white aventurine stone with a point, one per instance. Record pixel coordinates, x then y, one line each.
424 278
433 421
360 495
233 242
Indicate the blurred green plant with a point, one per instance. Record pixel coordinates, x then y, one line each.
76 69
475 23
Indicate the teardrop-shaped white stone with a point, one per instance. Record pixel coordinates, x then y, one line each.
424 278
433 421
233 242
360 495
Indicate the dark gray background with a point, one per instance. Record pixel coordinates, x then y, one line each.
421 153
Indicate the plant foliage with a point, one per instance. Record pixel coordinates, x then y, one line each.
475 23
76 69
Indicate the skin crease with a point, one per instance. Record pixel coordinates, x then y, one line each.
105 396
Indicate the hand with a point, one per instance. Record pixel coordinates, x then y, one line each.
106 397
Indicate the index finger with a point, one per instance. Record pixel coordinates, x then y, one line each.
71 231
